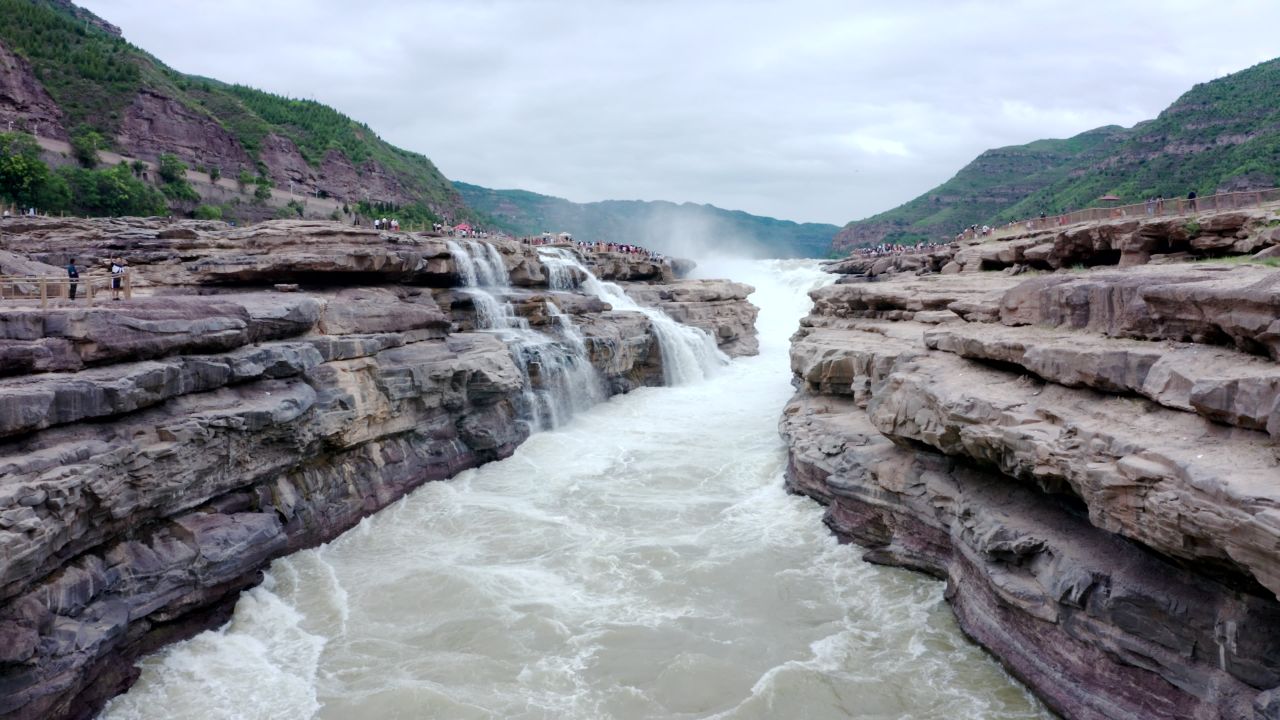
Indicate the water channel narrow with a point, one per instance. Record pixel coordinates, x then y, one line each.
640 561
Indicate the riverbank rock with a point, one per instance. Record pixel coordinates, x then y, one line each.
1121 242
157 452
1088 459
718 306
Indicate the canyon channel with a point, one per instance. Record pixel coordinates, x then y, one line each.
641 560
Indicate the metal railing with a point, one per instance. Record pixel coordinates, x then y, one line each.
1149 208
46 288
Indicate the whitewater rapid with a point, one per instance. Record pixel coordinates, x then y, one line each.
641 561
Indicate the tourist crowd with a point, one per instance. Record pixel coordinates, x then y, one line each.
890 249
565 239
634 250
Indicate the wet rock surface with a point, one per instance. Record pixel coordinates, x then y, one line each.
1088 459
717 306
156 453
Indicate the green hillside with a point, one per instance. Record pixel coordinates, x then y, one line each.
93 75
1220 135
664 226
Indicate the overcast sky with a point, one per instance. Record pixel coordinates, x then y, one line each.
809 110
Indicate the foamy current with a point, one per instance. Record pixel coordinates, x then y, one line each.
641 561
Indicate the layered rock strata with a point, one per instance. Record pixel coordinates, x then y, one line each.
1122 242
1087 458
157 453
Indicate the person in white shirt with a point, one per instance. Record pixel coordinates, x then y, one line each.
117 278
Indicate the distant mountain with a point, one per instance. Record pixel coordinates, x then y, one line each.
664 226
65 72
1221 135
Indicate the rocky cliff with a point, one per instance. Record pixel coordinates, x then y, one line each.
1087 457
62 69
264 390
1243 235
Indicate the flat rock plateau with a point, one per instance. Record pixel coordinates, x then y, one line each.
264 389
1077 430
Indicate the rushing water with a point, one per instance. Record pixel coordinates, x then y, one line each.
642 561
566 381
689 354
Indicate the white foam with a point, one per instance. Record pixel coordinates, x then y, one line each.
689 354
261 665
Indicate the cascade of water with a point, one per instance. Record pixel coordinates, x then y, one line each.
559 379
580 383
689 354
495 267
560 268
481 269
466 266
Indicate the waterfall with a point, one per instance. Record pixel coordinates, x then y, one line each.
465 265
562 269
479 264
481 270
559 379
689 354
581 383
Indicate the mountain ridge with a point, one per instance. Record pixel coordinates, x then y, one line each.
658 224
68 72
1220 135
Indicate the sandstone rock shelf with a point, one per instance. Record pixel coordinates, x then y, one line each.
1124 242
157 453
1088 458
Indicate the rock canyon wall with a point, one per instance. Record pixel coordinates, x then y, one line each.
263 390
1087 457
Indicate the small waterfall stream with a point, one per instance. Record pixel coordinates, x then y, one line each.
559 379
689 354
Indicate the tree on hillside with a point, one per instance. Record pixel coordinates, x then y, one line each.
114 192
173 179
171 168
22 173
262 192
54 195
85 143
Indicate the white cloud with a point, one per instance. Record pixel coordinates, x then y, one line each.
871 145
819 110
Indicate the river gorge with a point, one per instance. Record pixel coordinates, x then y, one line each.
643 560
311 470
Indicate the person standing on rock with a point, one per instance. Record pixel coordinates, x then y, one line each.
117 278
73 279
1191 200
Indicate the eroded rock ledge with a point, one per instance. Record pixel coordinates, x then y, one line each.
156 454
1088 459
1124 242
